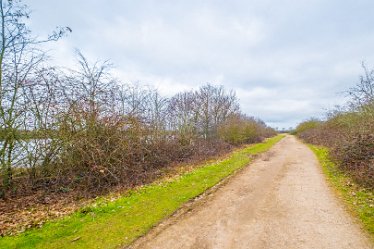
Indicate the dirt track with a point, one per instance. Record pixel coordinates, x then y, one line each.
279 201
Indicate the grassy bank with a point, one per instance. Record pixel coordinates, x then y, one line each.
113 224
360 201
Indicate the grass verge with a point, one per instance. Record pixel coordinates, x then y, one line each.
360 201
112 224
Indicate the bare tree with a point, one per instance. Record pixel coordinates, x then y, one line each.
133 101
41 121
157 110
88 91
19 58
363 92
183 115
214 107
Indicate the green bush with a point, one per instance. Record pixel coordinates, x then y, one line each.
239 129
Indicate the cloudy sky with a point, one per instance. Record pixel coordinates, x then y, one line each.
287 60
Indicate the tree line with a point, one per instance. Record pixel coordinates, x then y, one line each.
66 129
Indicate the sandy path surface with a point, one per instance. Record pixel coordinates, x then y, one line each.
279 201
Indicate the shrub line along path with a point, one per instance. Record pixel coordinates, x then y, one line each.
280 201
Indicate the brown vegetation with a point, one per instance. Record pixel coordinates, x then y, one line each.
63 130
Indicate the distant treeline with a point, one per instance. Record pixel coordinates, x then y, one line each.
66 129
349 132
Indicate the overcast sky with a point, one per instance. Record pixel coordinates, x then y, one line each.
287 60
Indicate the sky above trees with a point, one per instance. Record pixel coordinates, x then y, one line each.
287 60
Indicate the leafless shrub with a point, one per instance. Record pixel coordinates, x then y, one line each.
80 129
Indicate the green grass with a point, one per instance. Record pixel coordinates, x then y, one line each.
360 201
107 224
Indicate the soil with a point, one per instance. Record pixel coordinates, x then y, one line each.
20 214
281 200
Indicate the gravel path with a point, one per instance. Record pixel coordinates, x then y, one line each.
279 201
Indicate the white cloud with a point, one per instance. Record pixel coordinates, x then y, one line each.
287 60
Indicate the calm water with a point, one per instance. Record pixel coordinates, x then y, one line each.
29 153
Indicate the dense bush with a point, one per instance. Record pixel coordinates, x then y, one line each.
70 129
94 144
239 129
356 155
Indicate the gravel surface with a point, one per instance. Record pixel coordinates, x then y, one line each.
281 200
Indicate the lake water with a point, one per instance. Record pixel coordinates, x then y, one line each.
29 153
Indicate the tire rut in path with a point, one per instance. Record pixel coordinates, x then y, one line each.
281 200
